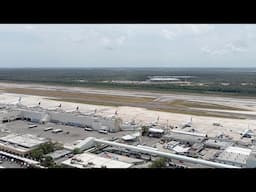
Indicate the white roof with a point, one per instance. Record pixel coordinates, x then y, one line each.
80 144
163 79
26 140
156 130
239 150
97 162
128 137
189 133
180 149
234 155
137 134
59 153
120 158
147 147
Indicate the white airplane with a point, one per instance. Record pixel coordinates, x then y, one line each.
154 123
184 125
17 102
248 133
188 124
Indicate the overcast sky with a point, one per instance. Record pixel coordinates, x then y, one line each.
123 45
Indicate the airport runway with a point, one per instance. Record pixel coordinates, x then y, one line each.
231 107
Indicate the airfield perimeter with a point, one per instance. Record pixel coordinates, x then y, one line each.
234 114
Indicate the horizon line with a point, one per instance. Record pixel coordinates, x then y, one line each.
123 67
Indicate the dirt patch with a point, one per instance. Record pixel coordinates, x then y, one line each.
204 105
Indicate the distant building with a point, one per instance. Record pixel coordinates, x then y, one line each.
163 79
169 78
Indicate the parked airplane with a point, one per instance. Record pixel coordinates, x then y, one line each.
17 102
247 133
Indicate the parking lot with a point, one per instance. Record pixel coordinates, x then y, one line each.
7 162
69 134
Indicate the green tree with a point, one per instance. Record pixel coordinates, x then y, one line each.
48 162
59 166
159 163
37 154
47 147
43 149
76 151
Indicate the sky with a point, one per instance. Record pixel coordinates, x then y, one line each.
127 45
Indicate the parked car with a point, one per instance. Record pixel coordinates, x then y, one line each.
88 129
103 131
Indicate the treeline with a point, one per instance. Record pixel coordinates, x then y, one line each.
213 78
133 74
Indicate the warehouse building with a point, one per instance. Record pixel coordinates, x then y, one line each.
235 156
20 144
217 144
59 154
184 137
251 160
122 158
89 160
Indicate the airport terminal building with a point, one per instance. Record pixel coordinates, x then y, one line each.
39 115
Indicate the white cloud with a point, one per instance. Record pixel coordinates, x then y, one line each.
228 48
120 40
214 51
198 29
111 43
30 27
169 34
178 30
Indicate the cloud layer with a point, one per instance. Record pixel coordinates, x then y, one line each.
127 45
234 47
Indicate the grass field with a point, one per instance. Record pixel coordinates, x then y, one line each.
177 106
